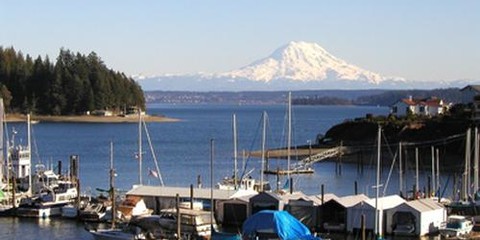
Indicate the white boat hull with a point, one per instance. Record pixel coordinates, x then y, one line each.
113 234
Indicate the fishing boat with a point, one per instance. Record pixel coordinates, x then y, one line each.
15 177
52 193
456 226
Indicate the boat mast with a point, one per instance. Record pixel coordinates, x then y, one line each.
289 137
212 152
466 172
400 170
378 215
475 162
234 126
433 173
140 147
112 189
2 159
29 142
264 133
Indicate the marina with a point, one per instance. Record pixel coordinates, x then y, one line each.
322 187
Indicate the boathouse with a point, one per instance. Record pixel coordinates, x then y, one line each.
233 212
367 208
334 212
158 197
265 201
302 207
419 217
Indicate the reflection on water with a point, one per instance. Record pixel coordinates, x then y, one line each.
33 228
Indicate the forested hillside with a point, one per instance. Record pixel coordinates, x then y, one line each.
73 84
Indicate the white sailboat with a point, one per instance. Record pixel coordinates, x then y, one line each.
236 182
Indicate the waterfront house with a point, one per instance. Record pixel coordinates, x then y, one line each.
265 201
159 197
367 208
432 106
334 212
419 217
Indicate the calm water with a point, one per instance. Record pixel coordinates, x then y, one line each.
183 152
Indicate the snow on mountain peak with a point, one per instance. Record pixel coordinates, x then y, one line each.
303 61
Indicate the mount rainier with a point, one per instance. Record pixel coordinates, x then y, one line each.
295 66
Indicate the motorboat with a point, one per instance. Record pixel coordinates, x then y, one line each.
53 193
456 226
124 233
193 223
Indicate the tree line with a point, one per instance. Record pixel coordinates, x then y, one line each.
74 84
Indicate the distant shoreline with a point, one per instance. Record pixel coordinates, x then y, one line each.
88 119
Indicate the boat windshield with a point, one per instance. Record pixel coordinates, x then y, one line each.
454 224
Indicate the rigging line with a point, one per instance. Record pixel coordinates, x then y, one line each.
251 147
153 153
35 146
388 145
390 173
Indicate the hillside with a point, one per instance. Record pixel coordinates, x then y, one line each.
74 84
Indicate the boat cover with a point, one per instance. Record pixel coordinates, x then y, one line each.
284 225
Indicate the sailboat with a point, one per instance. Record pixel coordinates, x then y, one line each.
115 232
291 169
15 169
245 181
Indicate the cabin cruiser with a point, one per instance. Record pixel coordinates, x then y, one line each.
52 192
456 226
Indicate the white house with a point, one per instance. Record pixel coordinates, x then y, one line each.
367 208
425 107
418 217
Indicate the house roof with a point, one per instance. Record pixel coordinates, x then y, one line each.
424 205
267 195
351 200
475 88
386 202
159 191
431 101
326 197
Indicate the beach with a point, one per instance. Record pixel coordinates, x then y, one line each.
89 118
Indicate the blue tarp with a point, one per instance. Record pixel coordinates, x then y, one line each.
286 226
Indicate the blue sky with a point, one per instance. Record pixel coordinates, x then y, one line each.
418 40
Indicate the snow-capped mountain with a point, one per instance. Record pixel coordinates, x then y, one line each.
295 66
302 61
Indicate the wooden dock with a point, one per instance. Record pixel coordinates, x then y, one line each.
292 171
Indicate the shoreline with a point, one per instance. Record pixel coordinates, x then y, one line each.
88 119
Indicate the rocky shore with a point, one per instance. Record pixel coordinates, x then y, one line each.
89 119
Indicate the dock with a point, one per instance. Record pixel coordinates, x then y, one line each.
292 171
